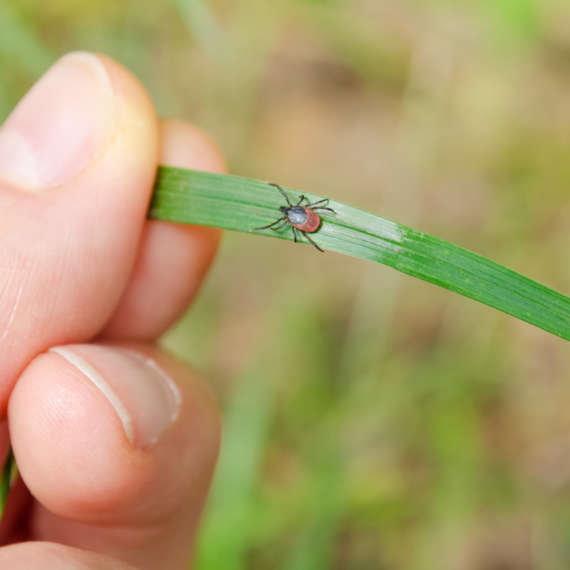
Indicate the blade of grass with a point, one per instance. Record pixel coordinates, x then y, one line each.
241 204
7 473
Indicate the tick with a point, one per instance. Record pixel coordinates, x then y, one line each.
301 217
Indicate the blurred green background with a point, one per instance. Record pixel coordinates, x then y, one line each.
372 421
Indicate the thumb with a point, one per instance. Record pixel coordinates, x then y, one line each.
26 555
77 161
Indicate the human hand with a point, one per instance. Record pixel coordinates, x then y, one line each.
115 441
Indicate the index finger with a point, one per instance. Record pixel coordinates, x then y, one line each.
173 259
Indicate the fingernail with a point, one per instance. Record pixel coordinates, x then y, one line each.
144 397
60 126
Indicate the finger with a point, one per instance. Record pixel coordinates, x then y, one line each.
118 447
77 161
173 258
47 555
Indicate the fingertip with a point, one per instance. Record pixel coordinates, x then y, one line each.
71 455
112 434
27 555
138 136
187 146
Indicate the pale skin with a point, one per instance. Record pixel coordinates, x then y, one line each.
80 264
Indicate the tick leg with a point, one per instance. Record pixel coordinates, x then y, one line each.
294 234
281 226
324 208
282 192
311 241
301 198
318 203
270 225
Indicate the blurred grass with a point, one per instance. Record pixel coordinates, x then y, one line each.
20 44
364 431
202 25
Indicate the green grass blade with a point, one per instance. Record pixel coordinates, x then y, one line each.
240 204
6 480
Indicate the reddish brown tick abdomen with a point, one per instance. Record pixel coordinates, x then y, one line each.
311 223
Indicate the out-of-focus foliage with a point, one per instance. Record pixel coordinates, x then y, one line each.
412 429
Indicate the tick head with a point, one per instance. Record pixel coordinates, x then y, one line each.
284 209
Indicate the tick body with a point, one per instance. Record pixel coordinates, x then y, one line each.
302 216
